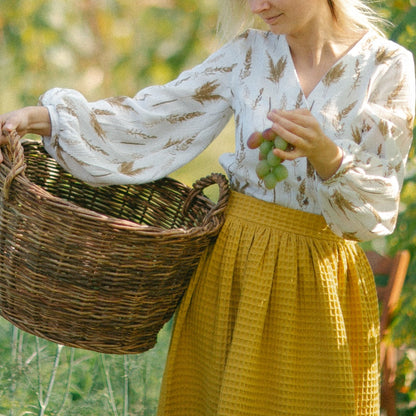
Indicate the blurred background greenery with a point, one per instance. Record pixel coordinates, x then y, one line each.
116 47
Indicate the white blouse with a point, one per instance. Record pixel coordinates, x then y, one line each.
365 104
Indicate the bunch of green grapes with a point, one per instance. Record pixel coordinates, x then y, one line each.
269 168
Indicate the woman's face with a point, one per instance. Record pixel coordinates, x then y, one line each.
290 17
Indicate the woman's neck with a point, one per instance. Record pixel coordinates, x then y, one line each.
317 47
315 54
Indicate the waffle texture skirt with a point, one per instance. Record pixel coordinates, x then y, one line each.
280 319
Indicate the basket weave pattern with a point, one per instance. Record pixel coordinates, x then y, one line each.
99 268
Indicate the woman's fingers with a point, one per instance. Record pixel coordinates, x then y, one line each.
299 128
293 129
9 123
289 130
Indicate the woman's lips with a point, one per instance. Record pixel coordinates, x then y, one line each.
272 19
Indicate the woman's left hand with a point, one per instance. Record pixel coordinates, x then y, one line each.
303 132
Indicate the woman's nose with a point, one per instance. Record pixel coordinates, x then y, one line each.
258 6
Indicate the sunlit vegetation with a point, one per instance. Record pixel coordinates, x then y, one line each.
116 47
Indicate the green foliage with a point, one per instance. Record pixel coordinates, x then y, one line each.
103 48
116 47
40 378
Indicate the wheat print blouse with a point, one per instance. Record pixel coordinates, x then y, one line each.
365 103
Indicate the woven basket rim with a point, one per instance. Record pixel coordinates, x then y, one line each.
108 220
105 220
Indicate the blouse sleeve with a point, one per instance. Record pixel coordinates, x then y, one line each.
361 200
126 140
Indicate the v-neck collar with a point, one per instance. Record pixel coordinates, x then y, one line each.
345 56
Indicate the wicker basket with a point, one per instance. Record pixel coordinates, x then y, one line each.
98 268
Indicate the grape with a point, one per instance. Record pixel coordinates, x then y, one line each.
280 143
272 159
262 169
266 147
269 168
269 135
255 140
270 181
280 171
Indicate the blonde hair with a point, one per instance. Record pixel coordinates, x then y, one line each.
235 16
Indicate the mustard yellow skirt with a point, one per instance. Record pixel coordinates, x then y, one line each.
280 319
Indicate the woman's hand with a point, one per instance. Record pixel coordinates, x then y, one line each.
303 132
26 120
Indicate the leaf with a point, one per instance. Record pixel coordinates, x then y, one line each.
337 122
276 70
68 108
383 127
100 112
342 203
356 135
119 102
247 64
301 195
299 100
179 118
126 168
259 98
344 113
334 74
357 75
383 56
206 92
395 93
220 69
310 170
97 126
181 144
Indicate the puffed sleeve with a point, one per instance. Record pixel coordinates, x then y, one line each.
361 200
124 140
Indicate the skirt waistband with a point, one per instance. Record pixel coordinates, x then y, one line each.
281 218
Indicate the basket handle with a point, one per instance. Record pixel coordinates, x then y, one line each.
224 194
14 152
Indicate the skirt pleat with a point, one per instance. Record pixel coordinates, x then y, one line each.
280 319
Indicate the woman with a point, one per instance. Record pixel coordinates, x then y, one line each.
281 316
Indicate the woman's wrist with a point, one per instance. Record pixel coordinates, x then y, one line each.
39 121
327 163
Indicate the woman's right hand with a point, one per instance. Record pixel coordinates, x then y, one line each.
26 120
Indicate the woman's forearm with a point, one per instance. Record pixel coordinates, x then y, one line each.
39 121
33 119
